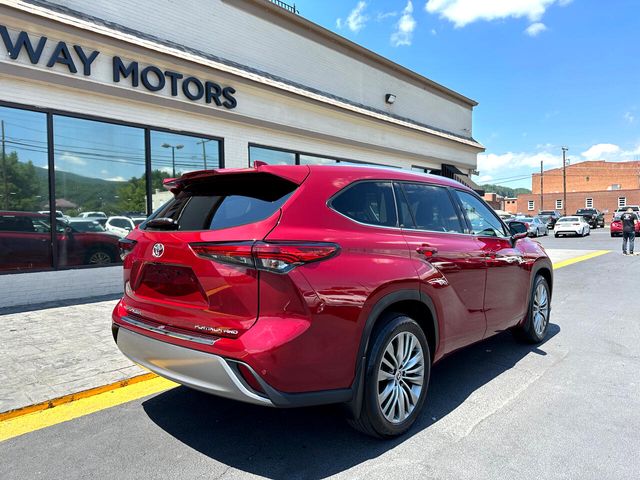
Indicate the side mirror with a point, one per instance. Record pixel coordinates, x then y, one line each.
518 230
68 230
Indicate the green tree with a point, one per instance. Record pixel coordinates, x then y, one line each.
19 187
132 195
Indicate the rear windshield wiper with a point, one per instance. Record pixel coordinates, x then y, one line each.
162 223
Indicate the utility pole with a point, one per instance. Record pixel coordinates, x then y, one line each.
4 170
541 185
204 151
564 180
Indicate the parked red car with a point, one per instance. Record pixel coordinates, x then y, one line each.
616 228
25 243
302 285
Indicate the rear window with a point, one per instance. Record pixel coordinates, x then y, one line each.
569 219
368 202
226 201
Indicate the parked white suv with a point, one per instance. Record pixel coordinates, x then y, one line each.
121 226
621 210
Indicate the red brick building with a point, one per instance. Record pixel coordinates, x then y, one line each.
598 184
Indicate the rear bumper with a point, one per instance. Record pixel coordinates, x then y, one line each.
202 371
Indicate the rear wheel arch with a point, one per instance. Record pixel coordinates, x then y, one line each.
412 303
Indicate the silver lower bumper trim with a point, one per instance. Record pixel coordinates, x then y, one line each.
202 371
169 333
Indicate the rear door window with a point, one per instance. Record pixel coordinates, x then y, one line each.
367 202
226 201
431 208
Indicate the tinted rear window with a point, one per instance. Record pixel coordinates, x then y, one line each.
226 201
368 202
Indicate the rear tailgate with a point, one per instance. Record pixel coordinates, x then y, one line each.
168 284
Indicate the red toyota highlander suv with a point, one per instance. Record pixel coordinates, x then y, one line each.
289 286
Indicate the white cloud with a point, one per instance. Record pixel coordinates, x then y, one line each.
384 15
72 159
629 117
535 29
356 20
492 162
115 179
464 12
434 32
405 27
486 178
602 151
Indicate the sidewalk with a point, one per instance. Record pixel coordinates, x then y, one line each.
55 351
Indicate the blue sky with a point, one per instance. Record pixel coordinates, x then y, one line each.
546 73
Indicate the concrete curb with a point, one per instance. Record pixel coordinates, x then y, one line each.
18 412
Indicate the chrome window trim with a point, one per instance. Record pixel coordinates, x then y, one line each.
161 331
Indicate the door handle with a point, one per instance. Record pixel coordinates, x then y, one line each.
427 250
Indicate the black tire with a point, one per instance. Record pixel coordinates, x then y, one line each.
371 420
527 331
556 235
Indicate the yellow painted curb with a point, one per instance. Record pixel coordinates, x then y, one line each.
118 395
18 412
581 258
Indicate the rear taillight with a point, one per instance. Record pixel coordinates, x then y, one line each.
125 246
272 257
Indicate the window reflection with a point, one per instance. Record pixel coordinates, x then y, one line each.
313 160
271 156
100 173
24 190
173 154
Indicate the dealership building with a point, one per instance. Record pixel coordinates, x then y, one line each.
102 100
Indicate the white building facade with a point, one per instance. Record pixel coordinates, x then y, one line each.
102 100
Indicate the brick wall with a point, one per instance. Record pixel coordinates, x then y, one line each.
590 176
606 201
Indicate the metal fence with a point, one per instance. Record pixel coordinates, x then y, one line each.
286 6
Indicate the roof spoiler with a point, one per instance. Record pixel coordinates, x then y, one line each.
296 174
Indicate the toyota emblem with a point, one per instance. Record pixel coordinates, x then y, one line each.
158 250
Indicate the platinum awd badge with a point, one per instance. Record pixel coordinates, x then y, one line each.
158 250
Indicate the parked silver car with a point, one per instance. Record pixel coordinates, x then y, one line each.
536 227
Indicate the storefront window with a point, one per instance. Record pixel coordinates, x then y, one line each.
25 243
313 160
100 173
173 154
271 156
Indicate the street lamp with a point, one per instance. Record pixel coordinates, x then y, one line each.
173 155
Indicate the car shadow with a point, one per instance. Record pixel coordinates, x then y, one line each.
316 442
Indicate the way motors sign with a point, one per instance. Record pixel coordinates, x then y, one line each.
79 59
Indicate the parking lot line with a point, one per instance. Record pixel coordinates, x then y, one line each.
581 258
30 422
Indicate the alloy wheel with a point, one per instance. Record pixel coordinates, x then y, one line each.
540 309
99 258
400 377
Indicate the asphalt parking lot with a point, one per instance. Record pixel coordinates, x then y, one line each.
569 408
